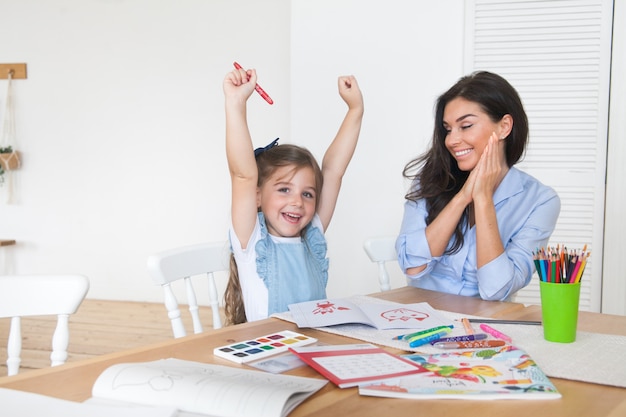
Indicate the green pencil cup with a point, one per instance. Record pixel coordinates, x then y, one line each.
559 311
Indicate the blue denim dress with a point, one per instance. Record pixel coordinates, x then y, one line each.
293 271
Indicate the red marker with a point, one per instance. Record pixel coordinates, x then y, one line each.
257 87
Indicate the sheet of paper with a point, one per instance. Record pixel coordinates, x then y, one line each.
506 373
278 364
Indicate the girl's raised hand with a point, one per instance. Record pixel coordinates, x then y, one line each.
240 83
350 92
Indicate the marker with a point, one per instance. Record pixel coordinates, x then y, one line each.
429 339
422 332
495 333
467 325
443 332
475 344
466 338
257 87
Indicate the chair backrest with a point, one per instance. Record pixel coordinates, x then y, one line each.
184 263
40 295
382 250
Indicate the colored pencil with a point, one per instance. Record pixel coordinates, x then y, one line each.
560 266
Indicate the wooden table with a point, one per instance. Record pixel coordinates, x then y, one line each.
73 381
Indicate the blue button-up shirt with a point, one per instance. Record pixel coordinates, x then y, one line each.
526 211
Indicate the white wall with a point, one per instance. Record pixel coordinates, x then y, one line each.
121 128
404 54
120 122
614 283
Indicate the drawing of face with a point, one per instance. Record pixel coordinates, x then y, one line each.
404 314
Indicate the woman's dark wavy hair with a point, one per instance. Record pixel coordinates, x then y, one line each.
268 162
435 174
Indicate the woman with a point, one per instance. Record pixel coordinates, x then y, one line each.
471 219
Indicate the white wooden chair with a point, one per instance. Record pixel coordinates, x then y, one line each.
40 295
382 250
184 263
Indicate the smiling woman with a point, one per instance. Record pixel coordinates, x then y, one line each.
471 219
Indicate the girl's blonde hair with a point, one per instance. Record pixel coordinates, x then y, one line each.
268 162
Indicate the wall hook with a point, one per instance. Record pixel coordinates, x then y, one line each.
17 71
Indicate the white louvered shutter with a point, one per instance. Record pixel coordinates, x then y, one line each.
557 55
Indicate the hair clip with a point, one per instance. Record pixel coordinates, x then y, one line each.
259 151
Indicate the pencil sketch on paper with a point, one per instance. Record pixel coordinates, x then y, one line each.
203 388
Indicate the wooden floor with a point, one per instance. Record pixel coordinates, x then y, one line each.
97 328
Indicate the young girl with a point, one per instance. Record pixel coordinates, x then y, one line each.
471 219
282 204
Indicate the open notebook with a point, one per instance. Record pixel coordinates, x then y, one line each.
173 387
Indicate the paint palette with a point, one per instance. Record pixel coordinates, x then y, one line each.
263 346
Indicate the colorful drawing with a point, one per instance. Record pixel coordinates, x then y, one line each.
501 373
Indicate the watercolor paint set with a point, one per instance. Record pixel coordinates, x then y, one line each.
262 347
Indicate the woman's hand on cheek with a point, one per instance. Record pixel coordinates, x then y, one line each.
489 170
